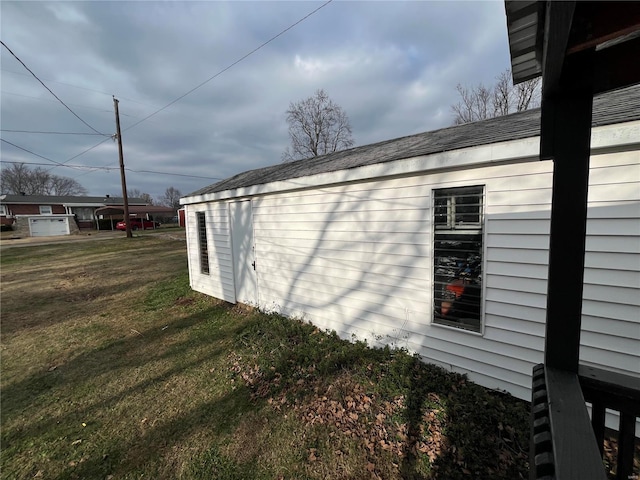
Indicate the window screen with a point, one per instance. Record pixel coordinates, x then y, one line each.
458 222
202 242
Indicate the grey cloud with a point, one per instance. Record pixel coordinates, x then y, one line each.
393 67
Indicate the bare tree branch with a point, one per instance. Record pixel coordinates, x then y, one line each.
135 193
171 198
18 178
479 102
316 126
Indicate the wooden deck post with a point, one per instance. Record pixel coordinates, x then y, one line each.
566 138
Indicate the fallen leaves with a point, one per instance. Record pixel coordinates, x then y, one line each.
422 415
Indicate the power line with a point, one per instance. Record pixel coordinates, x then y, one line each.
57 164
29 151
4 92
231 65
86 167
48 133
172 174
63 164
79 167
80 87
87 150
50 91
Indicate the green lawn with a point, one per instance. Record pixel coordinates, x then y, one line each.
113 368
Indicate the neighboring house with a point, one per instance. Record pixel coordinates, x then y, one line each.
436 242
43 215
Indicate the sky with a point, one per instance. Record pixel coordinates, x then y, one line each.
393 67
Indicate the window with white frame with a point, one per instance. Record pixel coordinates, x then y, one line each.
458 218
202 242
3 210
46 210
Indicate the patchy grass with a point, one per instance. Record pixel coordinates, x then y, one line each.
113 368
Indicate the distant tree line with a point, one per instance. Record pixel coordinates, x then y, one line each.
20 179
171 197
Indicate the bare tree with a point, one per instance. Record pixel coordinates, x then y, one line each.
18 178
480 102
171 198
135 193
316 126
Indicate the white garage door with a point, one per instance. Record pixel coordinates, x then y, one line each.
43 227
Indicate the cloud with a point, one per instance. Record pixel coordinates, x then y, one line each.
392 66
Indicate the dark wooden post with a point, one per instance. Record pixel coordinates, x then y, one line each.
566 138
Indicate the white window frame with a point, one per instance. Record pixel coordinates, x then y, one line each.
46 210
450 274
3 210
203 242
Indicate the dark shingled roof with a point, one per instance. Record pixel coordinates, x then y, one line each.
613 107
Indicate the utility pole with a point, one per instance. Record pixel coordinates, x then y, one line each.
122 177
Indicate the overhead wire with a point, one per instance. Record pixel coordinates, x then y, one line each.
4 92
225 69
48 133
86 167
29 151
264 44
64 164
80 87
50 91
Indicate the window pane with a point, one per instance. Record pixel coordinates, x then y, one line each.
468 208
83 213
458 257
458 207
202 243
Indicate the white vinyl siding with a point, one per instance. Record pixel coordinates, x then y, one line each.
357 258
611 297
219 281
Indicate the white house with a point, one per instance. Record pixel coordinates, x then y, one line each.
436 242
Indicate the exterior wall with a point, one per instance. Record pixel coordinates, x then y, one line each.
219 282
611 305
23 209
357 258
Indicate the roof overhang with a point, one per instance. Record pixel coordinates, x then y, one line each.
546 35
136 210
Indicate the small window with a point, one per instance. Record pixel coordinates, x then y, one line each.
45 210
3 210
202 242
458 247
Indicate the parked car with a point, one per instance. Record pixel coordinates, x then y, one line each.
137 224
